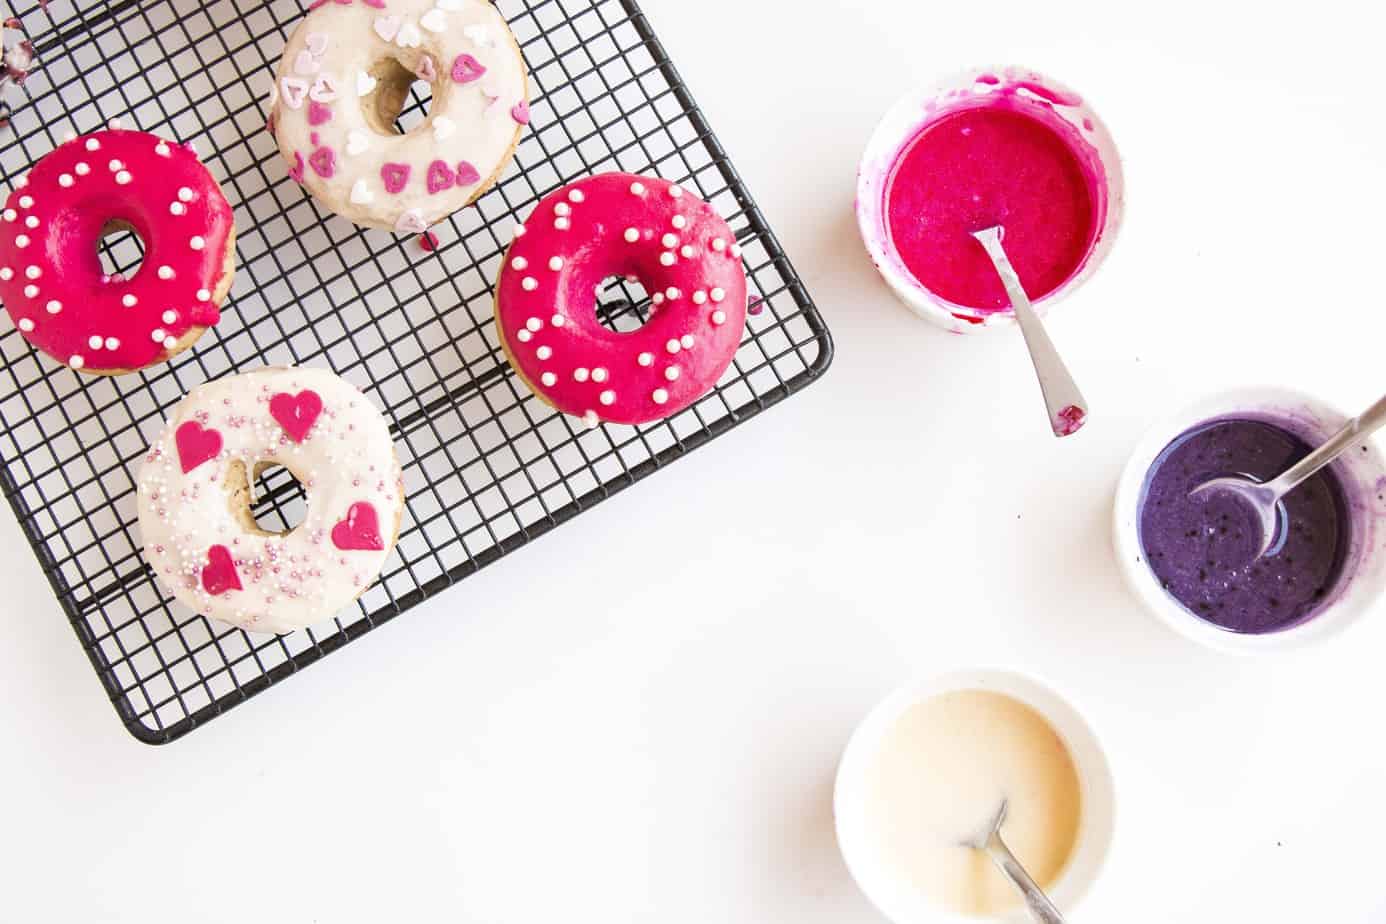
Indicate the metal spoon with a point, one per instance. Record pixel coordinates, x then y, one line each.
1068 410
1265 498
989 842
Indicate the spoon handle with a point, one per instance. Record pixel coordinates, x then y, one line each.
1039 904
1305 468
1068 410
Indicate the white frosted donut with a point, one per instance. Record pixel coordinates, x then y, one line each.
344 77
194 498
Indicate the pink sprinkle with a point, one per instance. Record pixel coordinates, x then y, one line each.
318 113
440 177
313 139
428 241
296 171
467 175
395 177
520 112
465 69
324 162
756 305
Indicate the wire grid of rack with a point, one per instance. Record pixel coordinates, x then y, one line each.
487 466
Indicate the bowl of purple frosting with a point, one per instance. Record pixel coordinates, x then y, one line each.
1193 559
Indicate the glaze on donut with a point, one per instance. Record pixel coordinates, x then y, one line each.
345 74
194 498
619 224
50 274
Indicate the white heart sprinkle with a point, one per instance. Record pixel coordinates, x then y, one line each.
365 83
409 36
317 43
451 6
360 195
434 21
443 127
358 142
304 63
387 27
324 89
294 90
479 35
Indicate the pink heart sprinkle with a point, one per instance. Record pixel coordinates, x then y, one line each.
467 175
324 162
440 177
520 112
219 574
319 113
316 3
427 69
296 171
195 445
296 413
466 69
359 531
395 177
378 4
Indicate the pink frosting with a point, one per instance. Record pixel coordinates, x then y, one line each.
619 224
50 276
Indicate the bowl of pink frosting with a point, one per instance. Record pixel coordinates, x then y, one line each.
990 146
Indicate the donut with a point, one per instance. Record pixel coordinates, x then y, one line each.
644 228
195 491
50 274
346 74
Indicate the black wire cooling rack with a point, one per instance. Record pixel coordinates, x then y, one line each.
487 467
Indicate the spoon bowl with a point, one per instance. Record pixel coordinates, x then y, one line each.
1262 499
988 840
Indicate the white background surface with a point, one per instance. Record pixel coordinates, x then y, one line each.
638 717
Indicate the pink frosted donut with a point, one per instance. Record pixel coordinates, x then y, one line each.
50 275
619 224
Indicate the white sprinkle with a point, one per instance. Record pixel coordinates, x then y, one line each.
524 336
93 144
544 352
519 263
114 123
54 306
591 420
203 295
657 298
157 335
161 149
699 297
170 343
6 273
718 244
687 251
667 258
679 222
177 208
632 235
69 135
31 222
599 374
558 320
673 293
76 362
26 325
30 291
562 224
128 300
115 165
11 214
718 294
660 396
534 324
719 317
645 359
555 263
94 341
33 272
197 243
549 379
123 177
580 374
529 283
637 189
576 195
735 250
82 169
21 182
607 397
26 202
169 316
687 341
112 343
562 208
672 373
670 241
65 180
519 231
672 346
165 272
185 194
675 192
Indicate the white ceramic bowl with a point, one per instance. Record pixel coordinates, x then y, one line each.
1362 474
903 122
902 902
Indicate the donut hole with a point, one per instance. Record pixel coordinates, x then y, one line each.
120 250
401 101
276 506
623 305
